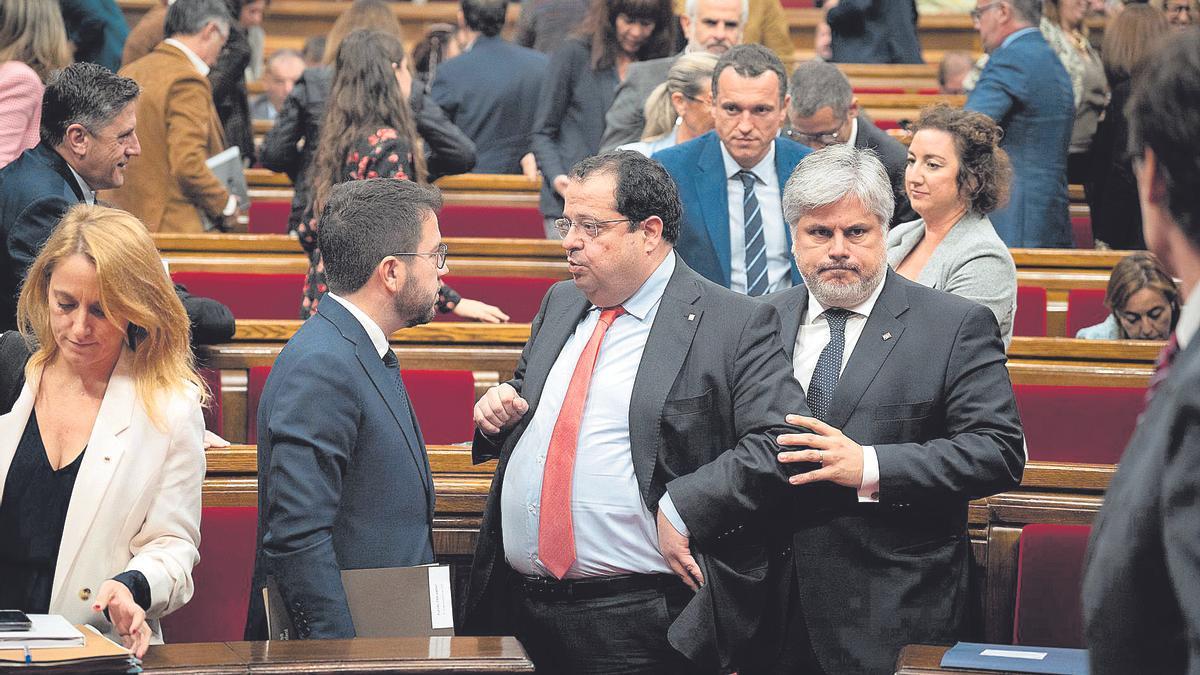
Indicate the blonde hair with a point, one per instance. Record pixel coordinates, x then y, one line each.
362 15
133 287
690 75
32 32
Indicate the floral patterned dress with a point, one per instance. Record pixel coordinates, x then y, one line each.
383 154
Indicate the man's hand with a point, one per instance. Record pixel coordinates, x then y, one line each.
500 408
529 167
127 617
841 459
475 310
675 549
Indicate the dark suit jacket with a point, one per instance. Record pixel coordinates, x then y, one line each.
1141 603
712 377
570 116
894 156
545 24
624 121
488 93
228 78
699 172
875 31
926 386
447 149
1110 185
1025 88
343 479
98 30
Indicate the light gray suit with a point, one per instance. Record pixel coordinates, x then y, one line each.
971 262
626 118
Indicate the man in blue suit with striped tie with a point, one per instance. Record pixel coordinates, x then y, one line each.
731 179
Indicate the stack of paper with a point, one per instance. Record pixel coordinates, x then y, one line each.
90 653
48 630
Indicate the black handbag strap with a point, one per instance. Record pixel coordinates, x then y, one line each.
14 354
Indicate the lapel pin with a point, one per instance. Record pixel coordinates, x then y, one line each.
887 336
691 317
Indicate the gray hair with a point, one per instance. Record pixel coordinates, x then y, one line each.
188 17
85 94
1028 11
833 173
817 84
693 11
281 54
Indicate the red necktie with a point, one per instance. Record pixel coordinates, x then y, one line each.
556 532
1162 366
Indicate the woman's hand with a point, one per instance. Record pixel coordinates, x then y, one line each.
212 440
479 311
529 167
126 615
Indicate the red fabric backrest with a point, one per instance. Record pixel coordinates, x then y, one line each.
269 216
1081 232
1085 307
1030 319
1091 425
929 91
887 124
443 401
248 296
217 610
212 412
879 90
509 222
1049 609
519 297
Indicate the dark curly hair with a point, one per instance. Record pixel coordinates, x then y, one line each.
984 171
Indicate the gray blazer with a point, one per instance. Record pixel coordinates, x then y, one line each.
971 262
627 117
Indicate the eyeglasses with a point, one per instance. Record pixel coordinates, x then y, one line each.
439 255
590 227
1179 9
825 138
977 13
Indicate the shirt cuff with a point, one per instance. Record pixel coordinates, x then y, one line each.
230 206
667 507
869 490
138 586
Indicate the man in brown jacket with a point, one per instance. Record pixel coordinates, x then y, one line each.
170 188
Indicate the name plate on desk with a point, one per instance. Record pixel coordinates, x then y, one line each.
400 601
1017 659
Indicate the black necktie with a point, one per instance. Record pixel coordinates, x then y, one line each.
393 364
829 364
756 247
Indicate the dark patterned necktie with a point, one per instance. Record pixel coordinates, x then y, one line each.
756 247
829 364
393 364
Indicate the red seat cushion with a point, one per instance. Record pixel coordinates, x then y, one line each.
1085 307
929 91
1081 232
443 401
509 222
1048 610
217 610
212 412
269 216
1078 424
248 296
879 90
887 124
519 297
1030 319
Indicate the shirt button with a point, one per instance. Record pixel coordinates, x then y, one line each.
532 508
875 496
85 593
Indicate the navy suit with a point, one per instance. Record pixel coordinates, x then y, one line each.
1025 88
699 171
874 31
343 478
487 92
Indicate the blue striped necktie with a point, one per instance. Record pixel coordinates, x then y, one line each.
756 247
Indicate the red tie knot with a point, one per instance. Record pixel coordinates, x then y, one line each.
608 316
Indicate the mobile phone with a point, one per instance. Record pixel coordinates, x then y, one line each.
14 620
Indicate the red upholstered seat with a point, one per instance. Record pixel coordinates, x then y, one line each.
879 90
519 297
248 296
212 412
1081 232
1030 319
442 399
508 222
1091 425
269 216
1085 307
1049 611
217 610
929 91
887 124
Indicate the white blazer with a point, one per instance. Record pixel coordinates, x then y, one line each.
136 501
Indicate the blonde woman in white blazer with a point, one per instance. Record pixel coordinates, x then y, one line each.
110 396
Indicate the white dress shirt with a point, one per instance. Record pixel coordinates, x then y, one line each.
378 339
614 531
767 191
89 195
810 342
853 133
1189 319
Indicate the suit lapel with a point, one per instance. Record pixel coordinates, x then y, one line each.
666 349
713 193
71 190
100 462
791 313
558 325
871 351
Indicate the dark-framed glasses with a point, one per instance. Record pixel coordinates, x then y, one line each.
439 255
977 13
824 138
589 227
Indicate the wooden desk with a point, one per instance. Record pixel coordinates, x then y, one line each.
459 655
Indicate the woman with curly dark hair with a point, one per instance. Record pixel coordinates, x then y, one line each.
581 82
956 175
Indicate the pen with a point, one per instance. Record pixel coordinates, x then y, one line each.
28 656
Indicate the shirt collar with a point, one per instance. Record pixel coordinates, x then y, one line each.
1189 318
378 339
89 195
1016 34
191 55
651 291
864 308
853 133
764 168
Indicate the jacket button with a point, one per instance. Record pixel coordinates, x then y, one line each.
85 593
